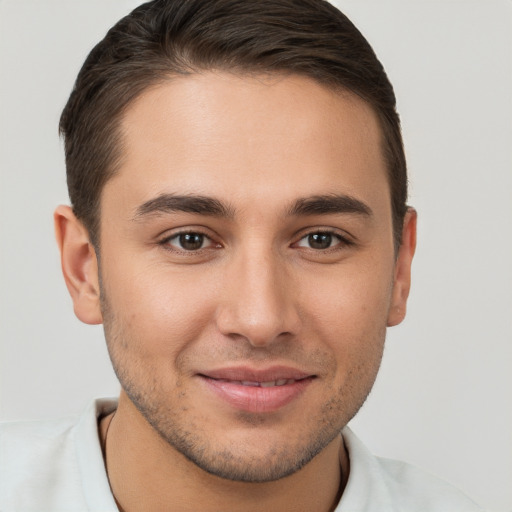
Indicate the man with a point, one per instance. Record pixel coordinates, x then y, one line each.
239 226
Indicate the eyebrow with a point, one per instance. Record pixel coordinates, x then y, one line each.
329 204
171 203
204 205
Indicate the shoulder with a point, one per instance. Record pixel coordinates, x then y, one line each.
16 434
379 484
31 443
43 464
35 457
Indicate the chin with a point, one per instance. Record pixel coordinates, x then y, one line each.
250 463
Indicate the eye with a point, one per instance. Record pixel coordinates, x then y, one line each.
189 241
322 240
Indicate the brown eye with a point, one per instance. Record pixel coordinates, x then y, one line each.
189 241
320 240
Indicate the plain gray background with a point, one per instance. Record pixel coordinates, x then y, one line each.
443 398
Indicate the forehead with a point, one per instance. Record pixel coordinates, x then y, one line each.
218 133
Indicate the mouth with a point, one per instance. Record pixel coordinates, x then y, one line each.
257 391
267 384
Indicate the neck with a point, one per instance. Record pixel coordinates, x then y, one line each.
146 473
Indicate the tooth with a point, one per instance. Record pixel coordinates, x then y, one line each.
290 381
249 383
268 384
281 382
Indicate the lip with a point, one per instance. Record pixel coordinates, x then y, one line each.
226 384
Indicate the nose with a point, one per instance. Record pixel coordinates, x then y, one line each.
258 301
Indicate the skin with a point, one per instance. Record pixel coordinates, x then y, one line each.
260 292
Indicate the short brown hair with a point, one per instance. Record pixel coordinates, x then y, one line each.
163 38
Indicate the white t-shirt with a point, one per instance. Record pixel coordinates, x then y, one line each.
57 466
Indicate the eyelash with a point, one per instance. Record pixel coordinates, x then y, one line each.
342 241
166 241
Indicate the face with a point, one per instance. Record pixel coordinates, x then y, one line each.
247 267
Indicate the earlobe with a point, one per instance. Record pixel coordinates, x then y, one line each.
79 265
402 279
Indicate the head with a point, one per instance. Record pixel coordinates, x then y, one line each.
238 184
164 39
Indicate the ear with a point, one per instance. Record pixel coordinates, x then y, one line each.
79 265
402 279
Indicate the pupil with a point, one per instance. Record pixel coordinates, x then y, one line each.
320 240
191 241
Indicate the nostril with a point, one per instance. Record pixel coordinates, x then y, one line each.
257 307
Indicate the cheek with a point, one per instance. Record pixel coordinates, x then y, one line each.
350 309
351 291
157 312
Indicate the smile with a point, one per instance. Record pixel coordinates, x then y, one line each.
256 391
268 384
